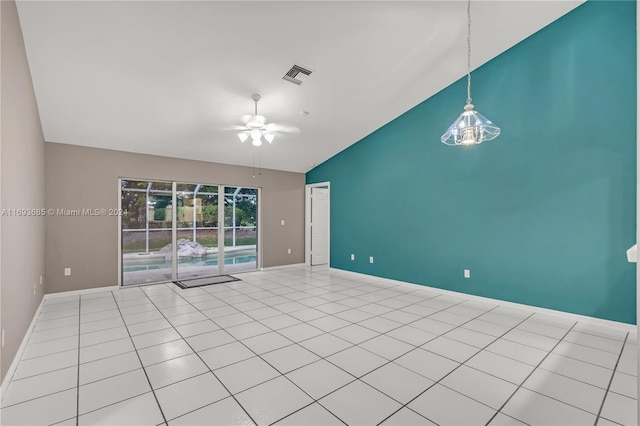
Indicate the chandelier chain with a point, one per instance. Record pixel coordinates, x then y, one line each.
471 127
468 51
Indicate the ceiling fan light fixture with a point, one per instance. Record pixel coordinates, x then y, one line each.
256 134
256 127
257 122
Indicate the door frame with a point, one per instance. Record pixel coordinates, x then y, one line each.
307 220
221 229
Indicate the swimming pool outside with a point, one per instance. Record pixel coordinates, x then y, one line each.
144 268
158 262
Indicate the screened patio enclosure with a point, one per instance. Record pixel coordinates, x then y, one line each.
177 230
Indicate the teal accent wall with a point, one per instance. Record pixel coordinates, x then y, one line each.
542 215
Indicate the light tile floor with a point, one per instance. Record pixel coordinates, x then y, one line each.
297 346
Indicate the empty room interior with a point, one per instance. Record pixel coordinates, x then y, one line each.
318 212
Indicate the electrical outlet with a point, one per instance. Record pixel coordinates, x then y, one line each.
2 343
370 259
67 272
467 273
289 251
353 256
40 279
282 222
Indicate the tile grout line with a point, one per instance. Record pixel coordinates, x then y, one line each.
250 349
379 334
95 381
78 370
559 400
352 323
308 321
359 378
35 375
613 374
199 357
529 375
331 315
363 320
324 284
478 317
321 358
435 382
331 332
348 308
313 400
141 365
587 332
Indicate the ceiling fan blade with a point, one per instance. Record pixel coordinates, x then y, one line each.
280 128
257 122
246 118
232 128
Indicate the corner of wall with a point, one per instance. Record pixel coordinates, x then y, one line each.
22 192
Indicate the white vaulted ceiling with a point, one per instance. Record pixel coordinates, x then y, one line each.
172 77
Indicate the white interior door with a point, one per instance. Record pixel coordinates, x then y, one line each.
319 226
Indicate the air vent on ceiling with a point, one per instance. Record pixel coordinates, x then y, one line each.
293 73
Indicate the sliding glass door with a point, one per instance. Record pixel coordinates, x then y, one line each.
176 230
240 228
197 233
146 231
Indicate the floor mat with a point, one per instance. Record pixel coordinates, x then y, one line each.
199 282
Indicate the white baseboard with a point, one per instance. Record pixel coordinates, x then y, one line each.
16 359
80 292
273 268
552 312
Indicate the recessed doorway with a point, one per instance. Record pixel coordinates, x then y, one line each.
317 224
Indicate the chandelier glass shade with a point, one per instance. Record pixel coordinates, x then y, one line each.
471 127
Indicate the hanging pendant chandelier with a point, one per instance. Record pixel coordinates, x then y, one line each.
470 127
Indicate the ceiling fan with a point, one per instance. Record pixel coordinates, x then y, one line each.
257 128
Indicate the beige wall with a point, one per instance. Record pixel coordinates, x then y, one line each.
22 187
87 178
